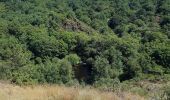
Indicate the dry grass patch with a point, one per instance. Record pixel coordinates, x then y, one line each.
12 92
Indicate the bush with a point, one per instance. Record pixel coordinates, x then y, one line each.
13 52
49 72
107 83
73 59
66 71
167 92
101 68
24 75
45 46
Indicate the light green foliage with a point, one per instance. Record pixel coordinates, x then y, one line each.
101 68
73 59
14 52
66 71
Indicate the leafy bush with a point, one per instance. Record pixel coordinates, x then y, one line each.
73 59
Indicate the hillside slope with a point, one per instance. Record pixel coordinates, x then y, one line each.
101 43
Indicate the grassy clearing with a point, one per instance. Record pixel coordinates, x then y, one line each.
13 92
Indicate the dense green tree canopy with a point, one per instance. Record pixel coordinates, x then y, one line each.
107 41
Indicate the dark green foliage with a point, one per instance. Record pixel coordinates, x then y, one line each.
162 57
48 46
99 42
115 21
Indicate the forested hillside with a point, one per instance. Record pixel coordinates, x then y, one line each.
94 42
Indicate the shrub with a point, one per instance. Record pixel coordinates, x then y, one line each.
73 59
107 83
65 71
167 92
101 68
